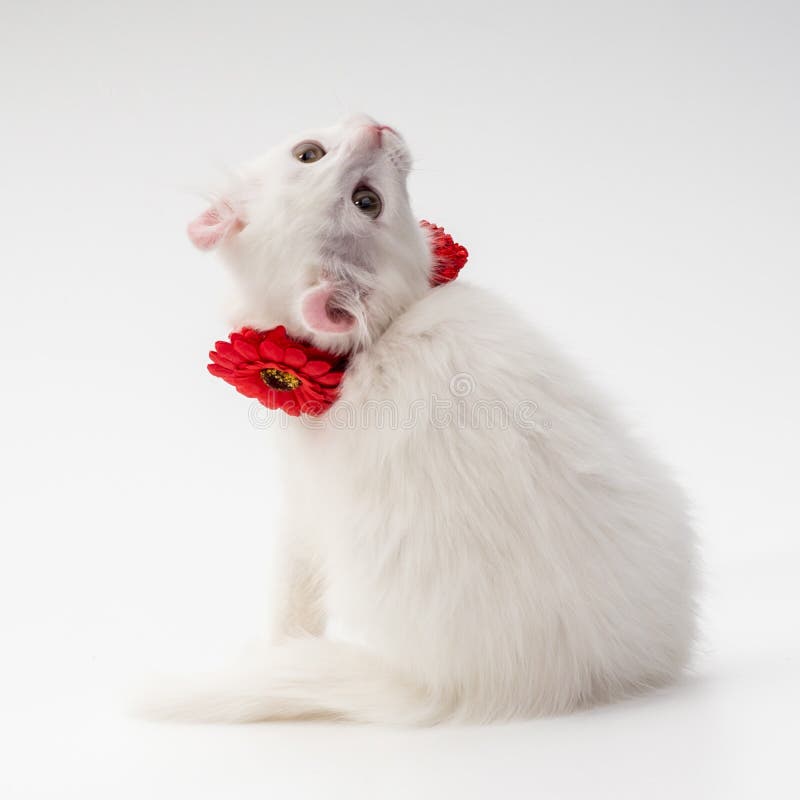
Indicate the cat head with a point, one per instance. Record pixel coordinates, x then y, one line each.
320 235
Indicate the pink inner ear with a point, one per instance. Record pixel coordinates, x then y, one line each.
322 315
213 226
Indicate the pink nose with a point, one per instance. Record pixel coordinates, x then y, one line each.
377 133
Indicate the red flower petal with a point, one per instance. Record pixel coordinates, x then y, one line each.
219 372
221 360
294 357
270 351
331 379
316 368
252 387
225 349
251 335
245 349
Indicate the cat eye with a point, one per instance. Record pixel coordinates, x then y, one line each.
308 152
366 201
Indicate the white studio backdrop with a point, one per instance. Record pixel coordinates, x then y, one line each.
627 173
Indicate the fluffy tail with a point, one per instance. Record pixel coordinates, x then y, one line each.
299 679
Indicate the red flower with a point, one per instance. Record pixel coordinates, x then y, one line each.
448 256
278 371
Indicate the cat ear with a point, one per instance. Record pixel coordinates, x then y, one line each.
324 310
214 225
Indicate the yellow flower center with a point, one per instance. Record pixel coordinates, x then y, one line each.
280 380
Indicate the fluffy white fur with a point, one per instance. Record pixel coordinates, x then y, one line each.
476 570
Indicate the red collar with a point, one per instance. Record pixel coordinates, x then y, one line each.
281 372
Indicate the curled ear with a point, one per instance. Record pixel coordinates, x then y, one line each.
214 225
324 309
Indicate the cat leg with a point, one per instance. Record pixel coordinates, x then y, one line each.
296 607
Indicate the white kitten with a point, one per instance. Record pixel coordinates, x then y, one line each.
489 539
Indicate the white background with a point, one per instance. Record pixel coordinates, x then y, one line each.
627 173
